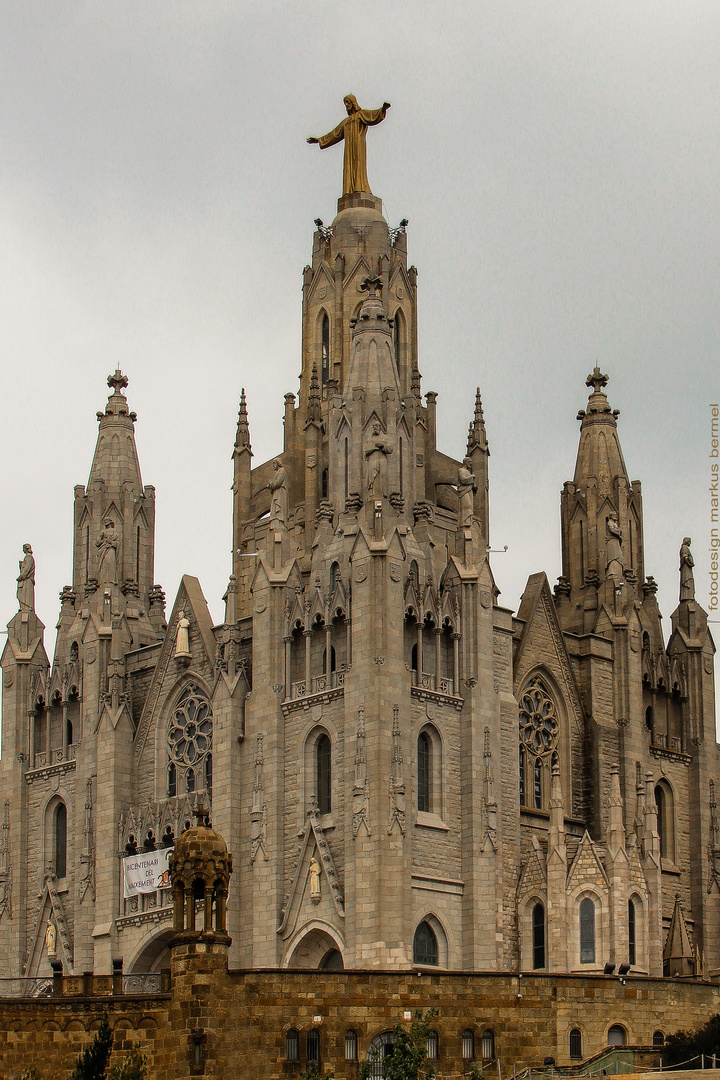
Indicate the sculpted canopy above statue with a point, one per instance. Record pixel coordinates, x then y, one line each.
353 131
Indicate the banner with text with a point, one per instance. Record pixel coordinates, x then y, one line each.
146 871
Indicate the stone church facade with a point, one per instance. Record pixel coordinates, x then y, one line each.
406 773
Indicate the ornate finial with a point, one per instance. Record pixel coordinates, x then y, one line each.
118 381
597 380
415 381
370 285
479 418
242 438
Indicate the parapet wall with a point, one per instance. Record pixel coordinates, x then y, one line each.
222 1024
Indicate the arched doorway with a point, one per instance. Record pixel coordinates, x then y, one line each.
153 955
317 950
380 1048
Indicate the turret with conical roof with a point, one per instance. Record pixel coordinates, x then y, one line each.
602 525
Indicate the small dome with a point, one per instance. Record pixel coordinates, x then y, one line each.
200 854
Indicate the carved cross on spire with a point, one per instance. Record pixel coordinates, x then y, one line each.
118 381
597 380
370 285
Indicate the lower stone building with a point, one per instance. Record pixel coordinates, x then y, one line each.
200 1019
410 777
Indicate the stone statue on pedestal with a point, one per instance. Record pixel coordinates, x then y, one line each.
278 492
108 542
466 488
377 450
314 875
26 580
51 939
687 580
353 131
613 547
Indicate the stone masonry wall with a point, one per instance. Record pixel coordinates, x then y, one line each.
241 1017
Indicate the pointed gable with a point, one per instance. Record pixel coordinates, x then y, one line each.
191 602
586 868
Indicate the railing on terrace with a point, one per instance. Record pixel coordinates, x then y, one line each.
25 988
319 684
57 756
426 681
665 742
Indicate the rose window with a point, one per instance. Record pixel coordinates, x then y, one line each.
190 731
538 723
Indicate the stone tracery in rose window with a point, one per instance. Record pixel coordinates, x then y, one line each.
190 729
538 720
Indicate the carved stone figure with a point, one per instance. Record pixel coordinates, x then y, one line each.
314 876
466 488
51 939
278 491
353 131
377 450
108 542
182 640
613 547
26 580
687 581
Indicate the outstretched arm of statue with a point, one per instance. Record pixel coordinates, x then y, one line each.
312 139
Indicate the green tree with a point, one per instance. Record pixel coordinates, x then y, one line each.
684 1045
92 1062
132 1067
409 1060
312 1072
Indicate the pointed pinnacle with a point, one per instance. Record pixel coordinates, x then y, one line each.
243 429
314 399
479 418
117 382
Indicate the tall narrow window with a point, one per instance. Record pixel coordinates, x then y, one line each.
137 555
190 780
488 1044
351 1046
400 463
521 772
661 818
468 1044
433 1045
538 929
576 1043
425 946
325 350
537 784
322 765
61 841
334 577
172 780
292 1045
324 484
313 1045
424 751
208 774
587 931
347 469
631 932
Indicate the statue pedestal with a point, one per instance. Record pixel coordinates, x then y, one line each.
359 198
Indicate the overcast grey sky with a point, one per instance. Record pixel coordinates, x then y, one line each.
558 163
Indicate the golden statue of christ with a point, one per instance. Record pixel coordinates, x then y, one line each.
353 130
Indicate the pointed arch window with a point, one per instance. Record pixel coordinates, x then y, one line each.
538 931
61 840
189 742
587 931
172 780
665 819
631 933
539 731
425 945
424 751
